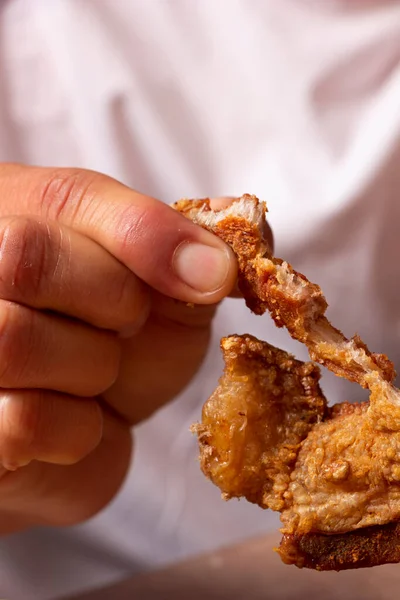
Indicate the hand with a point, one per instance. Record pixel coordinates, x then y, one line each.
95 332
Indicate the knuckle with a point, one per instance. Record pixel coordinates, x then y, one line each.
133 224
113 364
20 424
16 343
89 432
66 192
130 298
148 229
109 359
147 234
122 287
28 252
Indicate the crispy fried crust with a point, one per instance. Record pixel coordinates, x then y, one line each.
266 433
271 284
367 547
245 236
241 227
253 424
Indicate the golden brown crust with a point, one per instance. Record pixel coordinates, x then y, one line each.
269 283
257 278
253 424
266 433
347 472
367 547
245 238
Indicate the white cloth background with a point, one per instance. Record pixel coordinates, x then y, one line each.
297 101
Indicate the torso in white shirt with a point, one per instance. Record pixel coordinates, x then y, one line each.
296 101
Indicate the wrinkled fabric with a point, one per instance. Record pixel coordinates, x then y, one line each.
297 101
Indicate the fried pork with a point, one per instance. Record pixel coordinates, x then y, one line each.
267 433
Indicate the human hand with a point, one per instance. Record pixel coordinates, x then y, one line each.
95 332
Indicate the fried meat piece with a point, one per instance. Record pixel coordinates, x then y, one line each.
347 472
252 425
269 283
266 433
367 547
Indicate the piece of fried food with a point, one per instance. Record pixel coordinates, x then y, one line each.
266 433
269 283
367 547
252 425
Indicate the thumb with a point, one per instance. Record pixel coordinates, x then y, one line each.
166 250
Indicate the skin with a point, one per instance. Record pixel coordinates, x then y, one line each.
95 333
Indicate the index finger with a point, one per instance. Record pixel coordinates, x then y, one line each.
167 251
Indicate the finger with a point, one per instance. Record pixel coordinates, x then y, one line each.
46 426
193 316
172 345
39 350
51 494
50 266
167 251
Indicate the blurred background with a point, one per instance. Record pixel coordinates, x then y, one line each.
296 101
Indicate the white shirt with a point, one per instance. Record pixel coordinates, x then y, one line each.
297 101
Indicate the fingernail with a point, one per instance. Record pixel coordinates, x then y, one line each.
203 268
